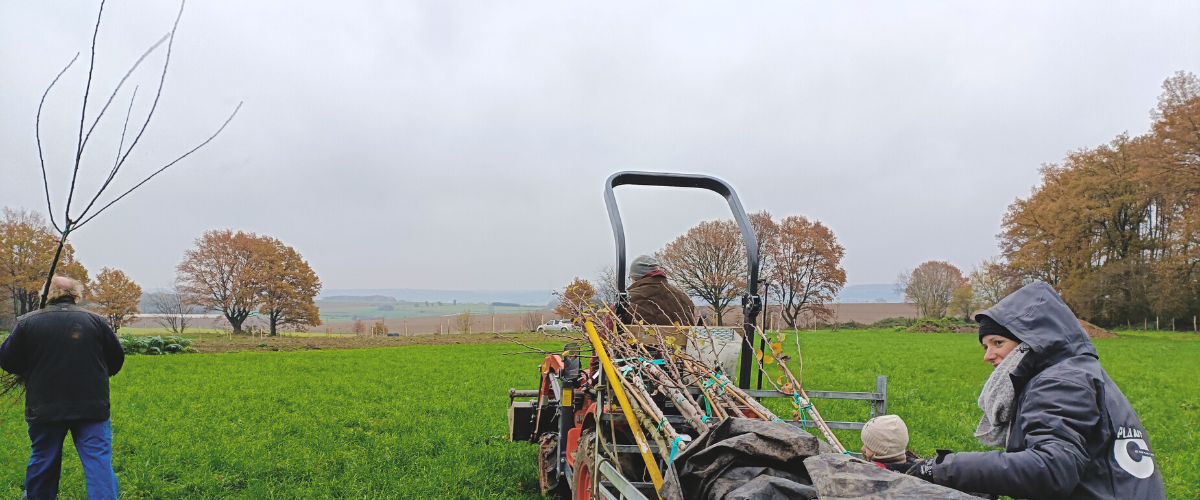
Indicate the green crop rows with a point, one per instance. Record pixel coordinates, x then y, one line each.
429 421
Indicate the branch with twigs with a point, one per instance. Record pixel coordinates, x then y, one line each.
71 223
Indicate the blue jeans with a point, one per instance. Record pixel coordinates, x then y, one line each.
93 441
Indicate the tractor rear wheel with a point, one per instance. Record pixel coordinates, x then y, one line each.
548 479
585 455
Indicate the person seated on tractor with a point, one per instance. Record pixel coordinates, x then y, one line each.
655 301
885 442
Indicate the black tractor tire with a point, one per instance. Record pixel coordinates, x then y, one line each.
584 465
549 483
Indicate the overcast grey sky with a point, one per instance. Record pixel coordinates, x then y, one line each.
464 145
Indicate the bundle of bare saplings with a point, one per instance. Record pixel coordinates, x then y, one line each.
728 445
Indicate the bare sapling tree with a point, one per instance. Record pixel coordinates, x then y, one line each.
606 285
709 262
73 221
173 309
530 321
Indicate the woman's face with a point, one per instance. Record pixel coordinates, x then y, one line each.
995 348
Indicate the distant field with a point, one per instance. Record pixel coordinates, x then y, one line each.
349 311
429 421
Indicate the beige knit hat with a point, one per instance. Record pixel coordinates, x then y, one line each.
886 436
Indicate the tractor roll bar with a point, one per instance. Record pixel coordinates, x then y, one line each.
751 302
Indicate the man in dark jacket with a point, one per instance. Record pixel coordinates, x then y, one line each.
653 300
66 355
1073 434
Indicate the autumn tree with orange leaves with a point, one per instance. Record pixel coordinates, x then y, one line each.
222 273
931 287
709 262
574 297
805 266
238 273
116 297
288 287
27 245
1116 228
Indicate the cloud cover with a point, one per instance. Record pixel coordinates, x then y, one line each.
458 145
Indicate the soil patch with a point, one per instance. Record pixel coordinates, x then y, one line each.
1096 332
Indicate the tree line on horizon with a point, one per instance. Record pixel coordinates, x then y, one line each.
236 273
799 268
1116 228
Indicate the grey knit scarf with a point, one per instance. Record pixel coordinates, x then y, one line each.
998 399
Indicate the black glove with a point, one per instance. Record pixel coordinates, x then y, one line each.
923 468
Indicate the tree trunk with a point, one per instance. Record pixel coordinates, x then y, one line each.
274 322
236 319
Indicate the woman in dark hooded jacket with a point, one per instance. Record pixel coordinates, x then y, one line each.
1070 433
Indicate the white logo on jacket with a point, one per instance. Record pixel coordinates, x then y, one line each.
1132 453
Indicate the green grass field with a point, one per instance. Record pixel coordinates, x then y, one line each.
197 333
429 421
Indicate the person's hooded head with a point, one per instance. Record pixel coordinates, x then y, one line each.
1037 315
644 266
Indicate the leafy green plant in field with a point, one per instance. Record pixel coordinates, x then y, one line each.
156 344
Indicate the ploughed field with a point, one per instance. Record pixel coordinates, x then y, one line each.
429 420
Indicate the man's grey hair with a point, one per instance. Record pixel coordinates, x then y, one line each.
64 287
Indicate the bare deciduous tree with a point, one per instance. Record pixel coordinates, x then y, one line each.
930 287
173 308
709 262
606 285
530 321
992 280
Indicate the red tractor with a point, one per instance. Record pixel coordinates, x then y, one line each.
586 446
590 444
